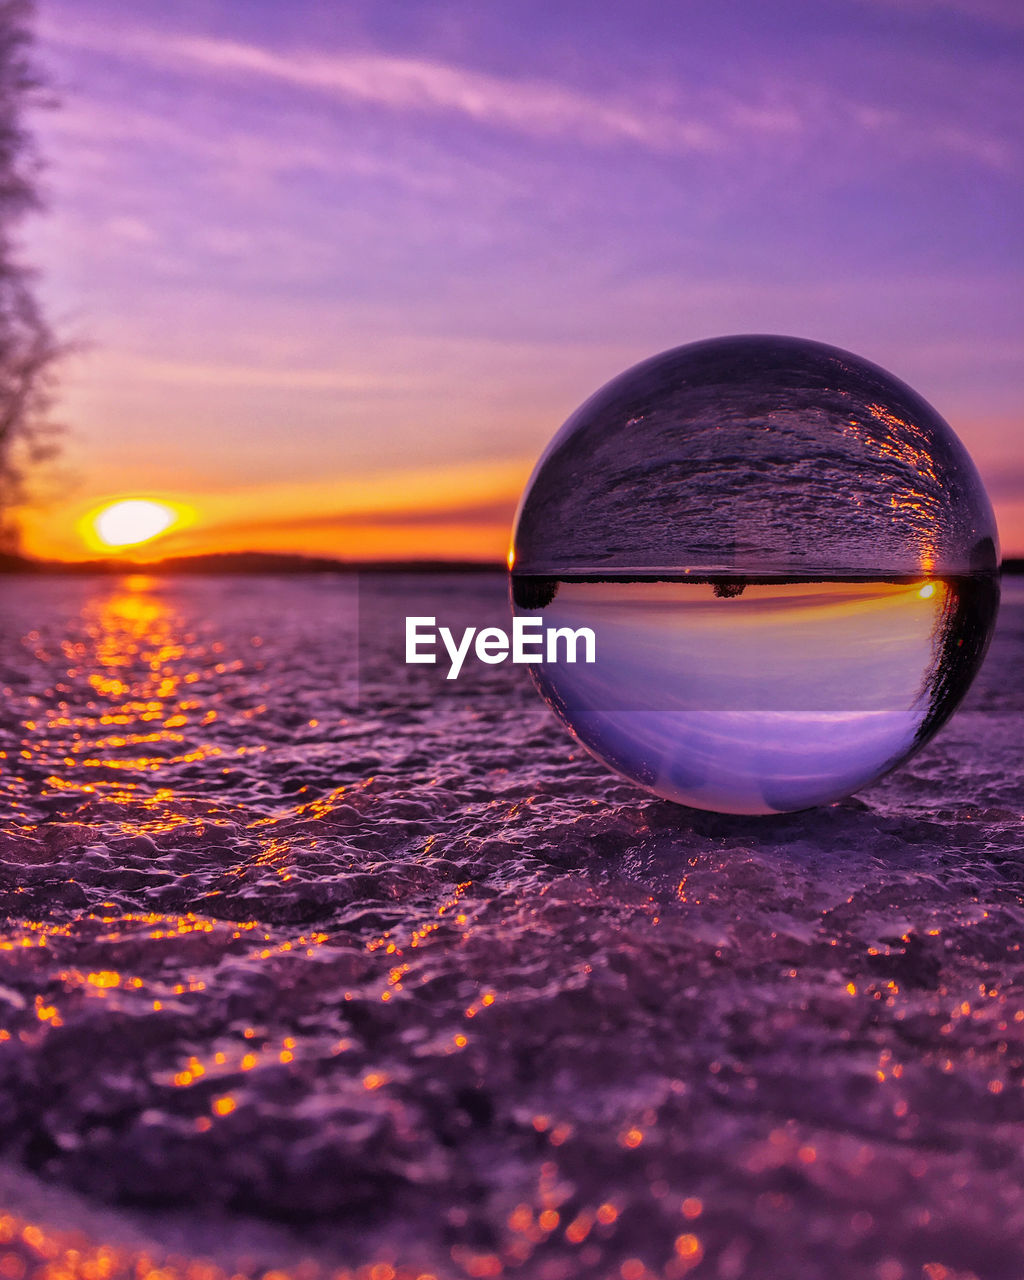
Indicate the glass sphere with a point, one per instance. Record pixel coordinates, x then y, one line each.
786 558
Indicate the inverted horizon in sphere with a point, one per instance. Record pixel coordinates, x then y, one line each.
766 697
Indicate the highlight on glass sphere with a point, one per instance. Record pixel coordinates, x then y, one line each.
788 561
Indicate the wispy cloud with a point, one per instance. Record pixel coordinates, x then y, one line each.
529 106
258 377
469 512
533 107
896 129
676 119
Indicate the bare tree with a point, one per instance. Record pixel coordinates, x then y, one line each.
28 349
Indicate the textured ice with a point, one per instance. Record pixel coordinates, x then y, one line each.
410 982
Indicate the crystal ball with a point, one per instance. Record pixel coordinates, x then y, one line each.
787 561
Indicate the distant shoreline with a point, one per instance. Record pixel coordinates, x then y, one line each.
241 562
256 562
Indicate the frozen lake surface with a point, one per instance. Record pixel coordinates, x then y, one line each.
315 966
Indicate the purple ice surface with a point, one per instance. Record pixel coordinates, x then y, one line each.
308 958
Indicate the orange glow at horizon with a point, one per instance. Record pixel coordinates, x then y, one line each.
459 512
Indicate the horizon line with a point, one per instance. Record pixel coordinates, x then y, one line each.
13 562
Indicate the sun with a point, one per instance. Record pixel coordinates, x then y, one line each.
132 521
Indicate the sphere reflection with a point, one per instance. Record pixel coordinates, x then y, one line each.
789 562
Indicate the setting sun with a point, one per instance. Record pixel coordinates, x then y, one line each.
132 521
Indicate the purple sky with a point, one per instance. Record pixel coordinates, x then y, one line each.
382 244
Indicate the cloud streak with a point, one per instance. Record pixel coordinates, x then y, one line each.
408 84
498 512
683 121
533 107
261 377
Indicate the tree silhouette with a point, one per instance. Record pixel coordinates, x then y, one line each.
28 349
